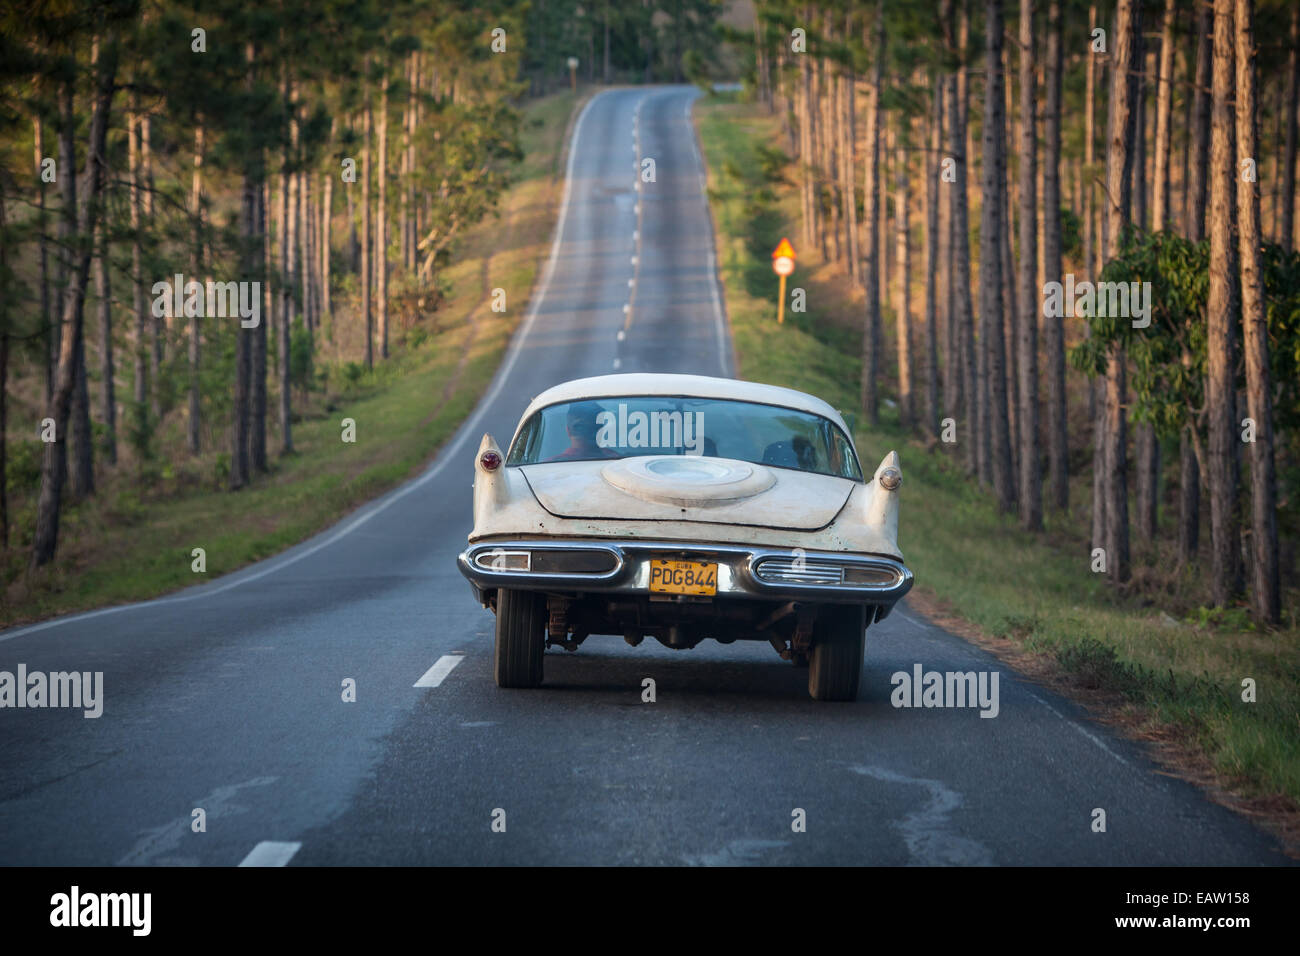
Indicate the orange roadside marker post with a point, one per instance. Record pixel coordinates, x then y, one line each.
782 265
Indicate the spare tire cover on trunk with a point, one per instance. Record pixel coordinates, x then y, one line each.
687 480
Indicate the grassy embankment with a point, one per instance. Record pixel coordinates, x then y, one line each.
133 539
1175 681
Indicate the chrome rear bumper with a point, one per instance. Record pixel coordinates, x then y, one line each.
744 572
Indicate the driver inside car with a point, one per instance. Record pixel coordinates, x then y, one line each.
581 426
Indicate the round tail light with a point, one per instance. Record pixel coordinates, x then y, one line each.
490 461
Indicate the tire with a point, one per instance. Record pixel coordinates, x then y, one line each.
839 639
521 638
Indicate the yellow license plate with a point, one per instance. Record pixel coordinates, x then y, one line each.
683 577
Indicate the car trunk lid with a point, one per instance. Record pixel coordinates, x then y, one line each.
688 487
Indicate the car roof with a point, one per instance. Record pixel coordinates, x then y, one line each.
696 386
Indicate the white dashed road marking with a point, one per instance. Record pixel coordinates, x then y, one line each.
438 672
271 853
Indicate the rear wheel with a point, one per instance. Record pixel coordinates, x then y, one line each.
521 638
839 638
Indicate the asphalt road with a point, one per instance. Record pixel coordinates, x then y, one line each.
227 697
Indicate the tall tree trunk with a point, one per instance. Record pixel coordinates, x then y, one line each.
1030 485
951 389
833 131
157 324
353 256
250 256
887 147
257 399
196 211
1139 121
1164 114
1011 318
326 221
761 67
1288 162
1145 446
271 288
871 202
902 250
807 158
67 256
1119 160
404 175
53 463
104 292
1189 497
381 237
4 414
1220 393
932 260
140 394
413 225
991 234
307 257
285 326
4 377
1008 284
366 248
848 136
962 315
1265 590
1058 448
1189 490
1010 324
83 470
83 459
1146 449
1201 120
1089 150
823 160
47 320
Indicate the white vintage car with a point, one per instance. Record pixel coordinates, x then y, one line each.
684 507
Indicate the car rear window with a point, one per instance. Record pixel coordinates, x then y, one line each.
631 426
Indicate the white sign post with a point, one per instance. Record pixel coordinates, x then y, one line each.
782 265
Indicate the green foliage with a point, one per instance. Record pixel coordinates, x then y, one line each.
1169 357
353 372
659 41
1222 618
23 464
772 162
697 70
300 358
1097 664
1071 234
139 432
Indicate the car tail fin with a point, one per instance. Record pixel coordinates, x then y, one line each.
882 505
490 488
